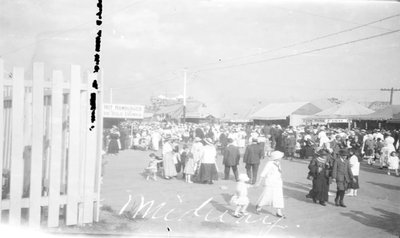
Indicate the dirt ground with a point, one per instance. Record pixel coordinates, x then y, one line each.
373 213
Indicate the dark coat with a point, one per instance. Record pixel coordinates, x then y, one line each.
320 180
342 173
231 156
253 154
223 139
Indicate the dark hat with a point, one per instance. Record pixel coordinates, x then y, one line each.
322 152
343 152
230 140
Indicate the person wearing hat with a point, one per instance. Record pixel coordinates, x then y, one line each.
252 156
114 144
231 157
208 169
319 170
271 177
342 175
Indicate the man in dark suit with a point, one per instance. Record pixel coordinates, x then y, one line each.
252 156
231 159
342 175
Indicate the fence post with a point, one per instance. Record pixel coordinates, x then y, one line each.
17 173
1 128
99 157
37 145
73 190
56 149
90 165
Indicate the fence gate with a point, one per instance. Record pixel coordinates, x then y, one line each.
50 160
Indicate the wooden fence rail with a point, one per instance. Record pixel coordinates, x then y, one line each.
49 157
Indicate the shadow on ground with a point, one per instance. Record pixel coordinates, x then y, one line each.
387 186
387 221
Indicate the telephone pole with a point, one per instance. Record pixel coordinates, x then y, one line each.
184 94
391 93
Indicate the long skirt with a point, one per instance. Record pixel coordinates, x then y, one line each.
169 167
113 146
271 196
320 188
208 172
354 184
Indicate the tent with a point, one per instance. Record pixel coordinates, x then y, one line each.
345 110
339 115
285 113
386 113
194 110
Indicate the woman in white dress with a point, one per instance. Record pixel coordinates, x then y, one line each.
273 185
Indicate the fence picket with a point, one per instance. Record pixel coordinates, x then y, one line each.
90 166
64 156
56 149
2 124
74 145
37 145
83 130
17 172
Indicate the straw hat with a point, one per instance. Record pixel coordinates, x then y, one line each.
208 141
276 155
321 160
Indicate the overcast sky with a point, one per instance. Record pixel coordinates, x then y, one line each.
146 44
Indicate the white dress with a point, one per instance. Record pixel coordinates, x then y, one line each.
273 186
241 193
393 162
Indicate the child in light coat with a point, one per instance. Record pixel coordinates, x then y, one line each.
151 169
393 162
240 199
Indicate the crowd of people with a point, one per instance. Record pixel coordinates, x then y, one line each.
189 151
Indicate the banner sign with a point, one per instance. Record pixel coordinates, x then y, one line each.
326 121
123 111
337 121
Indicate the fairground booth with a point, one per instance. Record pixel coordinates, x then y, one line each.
114 114
284 114
195 112
388 118
340 115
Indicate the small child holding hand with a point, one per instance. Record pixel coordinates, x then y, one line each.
151 169
393 162
240 199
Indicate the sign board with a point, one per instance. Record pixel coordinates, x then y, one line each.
337 120
327 121
123 111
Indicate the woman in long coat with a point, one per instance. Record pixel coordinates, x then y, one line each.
113 146
169 165
273 185
208 169
320 173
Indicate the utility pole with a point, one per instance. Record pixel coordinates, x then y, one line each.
391 93
184 94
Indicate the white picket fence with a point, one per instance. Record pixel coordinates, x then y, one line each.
51 161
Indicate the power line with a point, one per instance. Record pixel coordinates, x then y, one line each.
326 17
303 52
306 41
